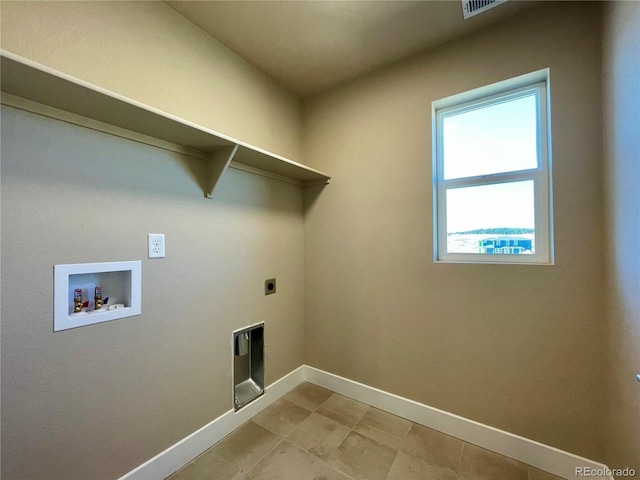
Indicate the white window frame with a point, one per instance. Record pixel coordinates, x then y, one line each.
537 83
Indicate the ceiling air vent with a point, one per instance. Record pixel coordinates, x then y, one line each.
474 7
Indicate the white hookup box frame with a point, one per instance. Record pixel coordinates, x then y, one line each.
120 281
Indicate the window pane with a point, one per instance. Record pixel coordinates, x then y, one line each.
494 139
490 219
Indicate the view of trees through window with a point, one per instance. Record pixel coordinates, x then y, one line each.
495 218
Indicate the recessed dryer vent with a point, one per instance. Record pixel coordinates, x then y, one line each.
248 365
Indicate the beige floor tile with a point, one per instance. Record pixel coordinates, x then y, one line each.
481 464
383 427
281 417
433 447
343 410
288 462
406 467
205 467
308 395
537 474
319 435
323 446
362 458
246 446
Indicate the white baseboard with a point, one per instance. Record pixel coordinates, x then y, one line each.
178 455
542 456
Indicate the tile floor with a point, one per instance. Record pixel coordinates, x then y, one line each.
314 434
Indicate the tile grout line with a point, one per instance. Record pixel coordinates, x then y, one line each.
391 466
265 455
282 437
286 438
342 440
351 430
406 434
320 459
460 460
223 459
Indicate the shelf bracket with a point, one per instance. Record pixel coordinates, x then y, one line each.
215 167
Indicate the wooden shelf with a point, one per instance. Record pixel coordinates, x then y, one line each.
35 87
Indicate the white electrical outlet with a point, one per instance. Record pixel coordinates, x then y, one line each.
156 245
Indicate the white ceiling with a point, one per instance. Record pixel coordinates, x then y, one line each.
309 46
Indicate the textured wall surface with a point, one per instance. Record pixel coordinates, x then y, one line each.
512 346
97 401
149 52
621 73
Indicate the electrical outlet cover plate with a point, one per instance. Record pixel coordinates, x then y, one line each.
156 245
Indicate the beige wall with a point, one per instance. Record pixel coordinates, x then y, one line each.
149 52
98 401
516 347
621 74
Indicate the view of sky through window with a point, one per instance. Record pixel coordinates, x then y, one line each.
494 139
491 139
508 205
